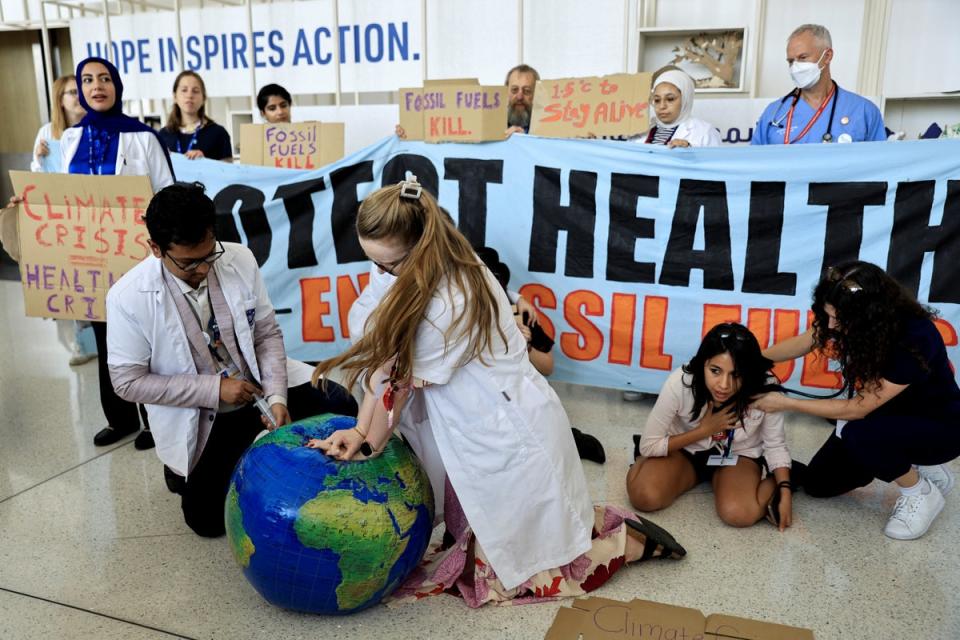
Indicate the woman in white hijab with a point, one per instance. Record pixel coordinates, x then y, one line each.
673 126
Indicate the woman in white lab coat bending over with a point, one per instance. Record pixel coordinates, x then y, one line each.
442 358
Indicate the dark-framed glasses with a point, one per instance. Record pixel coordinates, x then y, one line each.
388 267
212 257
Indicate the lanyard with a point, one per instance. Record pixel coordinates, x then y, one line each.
212 333
727 450
823 105
97 148
193 140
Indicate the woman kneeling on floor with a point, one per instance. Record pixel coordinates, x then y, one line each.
899 422
702 428
443 359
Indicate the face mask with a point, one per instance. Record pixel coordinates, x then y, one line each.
806 74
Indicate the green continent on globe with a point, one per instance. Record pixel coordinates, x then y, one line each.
286 438
362 536
240 542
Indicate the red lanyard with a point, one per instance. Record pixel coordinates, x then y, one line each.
823 105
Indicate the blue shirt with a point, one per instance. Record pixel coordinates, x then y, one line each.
855 116
104 159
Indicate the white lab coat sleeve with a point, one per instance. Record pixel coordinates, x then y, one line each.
160 174
268 341
656 435
712 138
45 133
129 354
436 356
367 302
775 450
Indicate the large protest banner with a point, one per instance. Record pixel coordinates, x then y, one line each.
632 251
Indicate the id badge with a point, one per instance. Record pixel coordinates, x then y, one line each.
722 461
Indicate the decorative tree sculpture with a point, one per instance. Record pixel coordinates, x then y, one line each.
718 52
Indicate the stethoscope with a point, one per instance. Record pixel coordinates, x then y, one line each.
795 94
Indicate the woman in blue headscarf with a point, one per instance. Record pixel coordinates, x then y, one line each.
106 142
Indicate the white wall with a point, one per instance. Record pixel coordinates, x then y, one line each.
484 38
486 44
923 48
843 19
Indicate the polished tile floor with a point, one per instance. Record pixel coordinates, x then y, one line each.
93 546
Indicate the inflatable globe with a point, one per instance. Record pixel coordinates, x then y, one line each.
322 536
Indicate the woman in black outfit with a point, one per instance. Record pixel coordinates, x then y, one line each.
900 421
189 130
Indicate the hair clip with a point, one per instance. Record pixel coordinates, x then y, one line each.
410 188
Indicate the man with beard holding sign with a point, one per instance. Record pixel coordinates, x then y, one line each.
521 82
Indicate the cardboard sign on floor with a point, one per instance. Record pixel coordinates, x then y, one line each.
603 619
301 145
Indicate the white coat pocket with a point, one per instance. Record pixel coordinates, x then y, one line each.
134 167
490 445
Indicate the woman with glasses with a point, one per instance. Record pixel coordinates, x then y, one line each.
442 358
900 419
67 111
702 428
107 142
672 124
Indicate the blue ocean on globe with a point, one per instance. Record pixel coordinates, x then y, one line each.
322 536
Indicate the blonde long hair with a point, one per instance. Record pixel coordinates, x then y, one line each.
438 252
58 119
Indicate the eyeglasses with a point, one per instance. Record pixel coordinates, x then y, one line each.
390 266
844 280
212 257
71 92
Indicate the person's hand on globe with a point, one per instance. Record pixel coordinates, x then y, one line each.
341 445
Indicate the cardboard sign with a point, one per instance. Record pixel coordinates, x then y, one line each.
602 619
458 110
300 145
78 235
612 105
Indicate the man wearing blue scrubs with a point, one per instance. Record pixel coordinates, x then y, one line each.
817 110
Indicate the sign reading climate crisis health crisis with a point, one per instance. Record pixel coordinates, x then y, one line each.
78 235
632 252
301 145
454 111
614 105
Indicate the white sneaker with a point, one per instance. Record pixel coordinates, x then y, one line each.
633 396
939 475
913 515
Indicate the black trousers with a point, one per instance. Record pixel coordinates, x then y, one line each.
120 414
203 498
880 447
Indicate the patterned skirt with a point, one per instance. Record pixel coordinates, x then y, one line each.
459 566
